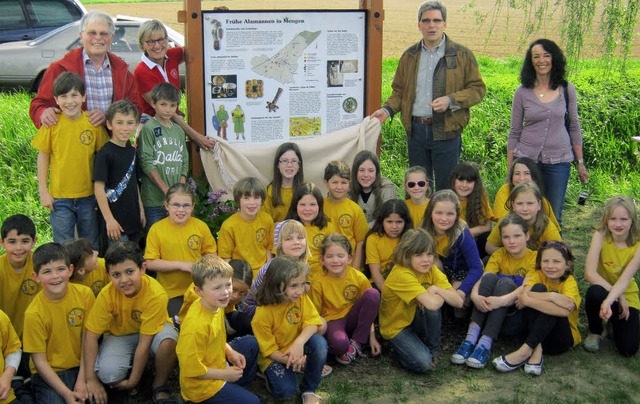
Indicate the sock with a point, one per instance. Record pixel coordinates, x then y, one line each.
472 333
485 342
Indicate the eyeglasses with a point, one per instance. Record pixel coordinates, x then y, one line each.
289 162
94 34
412 184
436 21
151 42
185 206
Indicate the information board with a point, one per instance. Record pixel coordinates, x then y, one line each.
274 76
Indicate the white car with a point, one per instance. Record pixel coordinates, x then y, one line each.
23 63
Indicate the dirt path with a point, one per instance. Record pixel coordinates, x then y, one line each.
400 24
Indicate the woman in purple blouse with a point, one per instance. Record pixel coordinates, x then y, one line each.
538 127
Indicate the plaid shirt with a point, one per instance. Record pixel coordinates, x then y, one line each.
99 84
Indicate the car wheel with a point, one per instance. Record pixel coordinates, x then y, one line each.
36 82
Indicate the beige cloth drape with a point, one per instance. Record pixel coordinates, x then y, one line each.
228 163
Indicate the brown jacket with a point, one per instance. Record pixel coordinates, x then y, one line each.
456 75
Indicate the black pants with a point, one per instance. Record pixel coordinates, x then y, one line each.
626 333
554 333
241 322
491 322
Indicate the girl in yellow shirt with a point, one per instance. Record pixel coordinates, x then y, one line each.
612 262
346 301
287 176
417 191
286 324
390 225
551 300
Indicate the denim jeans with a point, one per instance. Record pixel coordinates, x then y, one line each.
283 382
69 213
418 343
438 157
153 214
231 393
556 178
43 393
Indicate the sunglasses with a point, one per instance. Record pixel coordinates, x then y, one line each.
412 184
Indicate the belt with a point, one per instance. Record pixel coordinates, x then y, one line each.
424 121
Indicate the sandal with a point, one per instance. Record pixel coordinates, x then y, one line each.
163 389
326 371
592 343
313 397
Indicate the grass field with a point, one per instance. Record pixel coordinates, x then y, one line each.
610 114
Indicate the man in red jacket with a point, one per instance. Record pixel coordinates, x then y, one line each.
106 75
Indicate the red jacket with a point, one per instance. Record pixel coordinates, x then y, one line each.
124 84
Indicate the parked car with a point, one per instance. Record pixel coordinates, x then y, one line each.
23 63
22 20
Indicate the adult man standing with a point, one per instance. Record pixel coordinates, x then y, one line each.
106 75
436 83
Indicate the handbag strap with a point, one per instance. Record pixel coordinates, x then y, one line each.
567 120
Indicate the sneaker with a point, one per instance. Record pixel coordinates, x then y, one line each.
479 358
348 357
357 346
461 355
535 370
592 343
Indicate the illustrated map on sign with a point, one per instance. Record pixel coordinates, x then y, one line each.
283 65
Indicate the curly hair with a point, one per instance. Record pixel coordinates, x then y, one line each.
558 65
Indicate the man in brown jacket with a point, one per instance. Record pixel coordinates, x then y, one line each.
436 83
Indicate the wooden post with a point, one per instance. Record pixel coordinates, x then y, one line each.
374 54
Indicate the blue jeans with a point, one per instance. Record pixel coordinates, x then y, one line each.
153 214
283 382
231 393
438 157
69 213
418 343
43 393
556 178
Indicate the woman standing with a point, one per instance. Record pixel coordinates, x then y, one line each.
544 122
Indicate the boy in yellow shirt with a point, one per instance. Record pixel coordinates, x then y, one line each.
53 329
130 314
88 269
202 348
10 354
248 233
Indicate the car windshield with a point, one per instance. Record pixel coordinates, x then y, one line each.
50 34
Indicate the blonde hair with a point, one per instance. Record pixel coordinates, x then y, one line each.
209 267
414 242
288 229
628 204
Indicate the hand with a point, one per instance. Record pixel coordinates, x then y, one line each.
376 348
232 374
126 384
584 174
522 300
96 392
381 115
440 104
605 310
46 200
295 353
482 304
462 295
185 266
143 218
114 230
49 116
564 301
71 398
5 386
623 308
237 359
80 391
204 142
96 117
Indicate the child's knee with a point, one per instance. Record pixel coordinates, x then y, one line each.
371 297
316 347
112 370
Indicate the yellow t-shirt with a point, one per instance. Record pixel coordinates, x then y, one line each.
315 236
189 297
10 344
500 209
96 279
169 242
278 213
250 241
334 297
550 233
201 346
117 314
17 290
568 287
348 218
56 328
487 212
398 303
72 146
380 251
416 212
501 262
613 261
276 326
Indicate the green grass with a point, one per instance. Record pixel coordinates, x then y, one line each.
610 113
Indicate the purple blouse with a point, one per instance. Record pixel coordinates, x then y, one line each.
537 128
